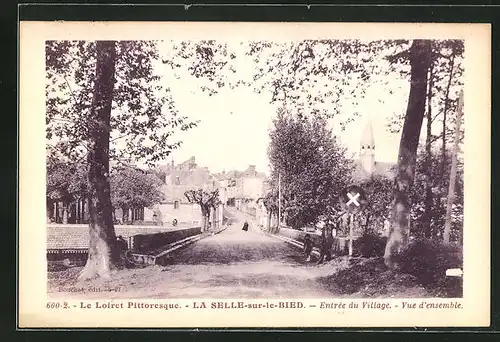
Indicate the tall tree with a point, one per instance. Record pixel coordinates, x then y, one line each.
427 232
440 186
419 57
103 101
271 204
207 200
132 187
445 79
312 166
453 175
103 251
66 182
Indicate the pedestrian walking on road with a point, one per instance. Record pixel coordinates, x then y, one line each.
245 226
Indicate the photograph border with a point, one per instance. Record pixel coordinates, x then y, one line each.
181 17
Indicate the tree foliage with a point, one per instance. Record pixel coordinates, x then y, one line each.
207 200
312 166
318 77
419 57
143 117
104 100
439 185
380 194
445 80
134 188
325 77
66 181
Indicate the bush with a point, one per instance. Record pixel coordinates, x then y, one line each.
371 245
428 261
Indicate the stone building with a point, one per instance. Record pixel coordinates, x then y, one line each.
367 165
180 178
243 188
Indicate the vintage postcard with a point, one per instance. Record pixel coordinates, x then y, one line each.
194 175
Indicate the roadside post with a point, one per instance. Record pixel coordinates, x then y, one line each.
352 199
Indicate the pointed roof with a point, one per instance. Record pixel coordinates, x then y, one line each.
367 138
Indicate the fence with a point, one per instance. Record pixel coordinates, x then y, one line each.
340 244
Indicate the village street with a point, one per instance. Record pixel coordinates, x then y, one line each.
231 264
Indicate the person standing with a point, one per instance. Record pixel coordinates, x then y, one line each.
245 226
308 247
326 242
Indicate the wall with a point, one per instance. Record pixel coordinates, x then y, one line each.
184 213
71 243
252 187
151 243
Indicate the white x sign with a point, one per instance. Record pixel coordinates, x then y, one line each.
353 199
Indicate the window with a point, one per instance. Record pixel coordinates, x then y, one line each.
176 204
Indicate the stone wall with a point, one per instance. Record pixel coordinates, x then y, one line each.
150 243
71 243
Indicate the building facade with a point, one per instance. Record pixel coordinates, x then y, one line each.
180 178
243 188
366 165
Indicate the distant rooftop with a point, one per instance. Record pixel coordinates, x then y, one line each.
384 169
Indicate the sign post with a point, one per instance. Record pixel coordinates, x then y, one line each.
353 200
279 201
351 232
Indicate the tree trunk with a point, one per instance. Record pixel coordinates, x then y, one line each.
204 214
453 175
427 221
49 209
398 236
65 210
103 252
445 114
214 219
124 215
367 223
208 220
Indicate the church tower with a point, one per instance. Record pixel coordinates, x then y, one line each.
367 150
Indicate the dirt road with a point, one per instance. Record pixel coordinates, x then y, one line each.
231 264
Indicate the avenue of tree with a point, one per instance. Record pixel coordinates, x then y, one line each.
105 102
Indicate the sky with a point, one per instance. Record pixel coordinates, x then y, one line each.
234 124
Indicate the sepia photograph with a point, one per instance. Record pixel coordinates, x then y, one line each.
247 168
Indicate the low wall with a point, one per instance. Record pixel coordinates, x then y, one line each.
148 243
71 242
340 244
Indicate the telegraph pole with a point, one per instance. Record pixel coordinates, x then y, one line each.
279 200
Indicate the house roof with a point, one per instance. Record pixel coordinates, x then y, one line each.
384 169
77 236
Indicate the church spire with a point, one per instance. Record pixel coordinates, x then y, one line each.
367 149
367 139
